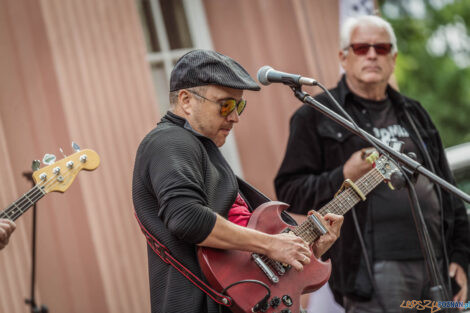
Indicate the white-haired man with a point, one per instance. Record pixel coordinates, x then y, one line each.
321 154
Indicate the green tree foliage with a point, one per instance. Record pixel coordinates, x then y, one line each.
433 64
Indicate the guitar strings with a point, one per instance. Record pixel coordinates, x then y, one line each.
20 203
37 194
24 204
48 183
34 196
367 187
346 198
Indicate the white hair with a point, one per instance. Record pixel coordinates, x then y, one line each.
352 23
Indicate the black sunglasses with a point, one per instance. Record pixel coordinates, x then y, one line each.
363 48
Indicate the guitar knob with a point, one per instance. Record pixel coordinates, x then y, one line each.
286 311
287 300
275 302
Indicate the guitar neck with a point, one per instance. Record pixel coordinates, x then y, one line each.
20 206
341 204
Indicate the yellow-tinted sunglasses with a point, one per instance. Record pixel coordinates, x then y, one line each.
227 105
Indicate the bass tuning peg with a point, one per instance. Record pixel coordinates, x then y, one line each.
48 159
75 146
35 165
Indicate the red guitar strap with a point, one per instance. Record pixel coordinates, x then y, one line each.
166 257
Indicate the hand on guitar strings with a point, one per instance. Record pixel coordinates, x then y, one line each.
289 249
332 223
6 228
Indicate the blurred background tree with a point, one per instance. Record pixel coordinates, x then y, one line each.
433 64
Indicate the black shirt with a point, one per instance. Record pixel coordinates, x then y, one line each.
392 230
312 172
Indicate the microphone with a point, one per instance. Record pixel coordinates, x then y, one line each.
268 75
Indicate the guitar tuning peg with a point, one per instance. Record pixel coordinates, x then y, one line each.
48 159
372 157
35 165
62 151
75 146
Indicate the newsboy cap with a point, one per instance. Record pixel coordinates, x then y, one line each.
207 67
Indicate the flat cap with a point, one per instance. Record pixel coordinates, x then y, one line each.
207 67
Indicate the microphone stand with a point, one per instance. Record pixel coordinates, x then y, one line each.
32 302
415 168
401 158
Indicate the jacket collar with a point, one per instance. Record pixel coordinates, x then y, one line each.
175 119
344 92
180 121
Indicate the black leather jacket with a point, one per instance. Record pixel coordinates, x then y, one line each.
312 171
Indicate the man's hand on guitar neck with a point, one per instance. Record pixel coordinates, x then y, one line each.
6 228
332 223
357 165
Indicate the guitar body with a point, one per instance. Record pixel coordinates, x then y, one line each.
224 267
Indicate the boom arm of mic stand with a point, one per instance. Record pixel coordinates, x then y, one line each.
399 157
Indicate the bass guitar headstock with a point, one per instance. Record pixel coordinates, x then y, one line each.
59 175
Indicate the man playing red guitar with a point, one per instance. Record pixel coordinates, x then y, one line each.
6 228
183 188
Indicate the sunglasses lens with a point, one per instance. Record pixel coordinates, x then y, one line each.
363 48
360 48
241 106
227 107
383 48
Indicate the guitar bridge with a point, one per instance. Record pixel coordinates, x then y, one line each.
278 267
265 268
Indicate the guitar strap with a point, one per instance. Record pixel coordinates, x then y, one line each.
166 257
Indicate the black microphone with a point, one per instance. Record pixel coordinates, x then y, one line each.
268 75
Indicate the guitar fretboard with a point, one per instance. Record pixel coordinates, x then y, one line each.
20 206
341 204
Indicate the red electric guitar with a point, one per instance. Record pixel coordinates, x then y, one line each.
225 267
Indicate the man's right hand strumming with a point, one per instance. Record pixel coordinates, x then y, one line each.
289 249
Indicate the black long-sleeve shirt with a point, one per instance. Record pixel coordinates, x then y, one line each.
180 182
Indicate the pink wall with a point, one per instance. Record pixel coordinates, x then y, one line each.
296 36
75 70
